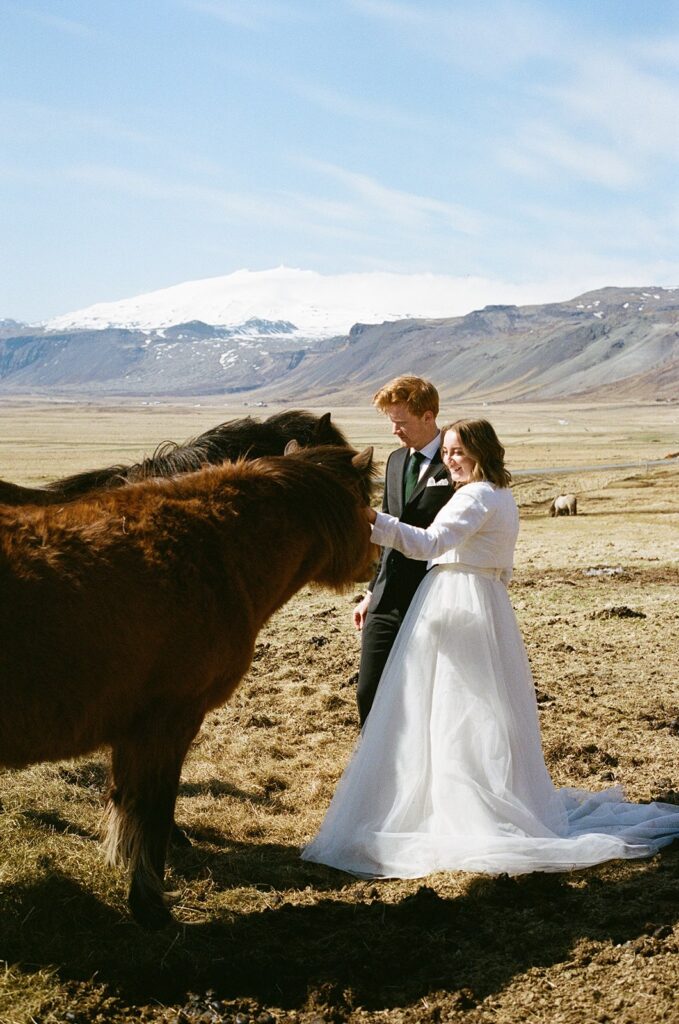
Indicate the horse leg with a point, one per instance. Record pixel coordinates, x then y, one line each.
145 769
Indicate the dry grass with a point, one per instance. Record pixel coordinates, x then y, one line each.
272 937
42 440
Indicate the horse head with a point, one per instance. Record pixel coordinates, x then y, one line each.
355 468
306 427
339 495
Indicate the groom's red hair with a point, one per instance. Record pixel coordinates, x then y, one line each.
418 395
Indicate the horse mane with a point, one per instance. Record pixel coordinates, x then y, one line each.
311 476
324 489
239 438
15 494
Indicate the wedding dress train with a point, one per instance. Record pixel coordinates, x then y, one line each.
449 773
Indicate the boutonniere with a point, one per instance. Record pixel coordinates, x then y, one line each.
431 482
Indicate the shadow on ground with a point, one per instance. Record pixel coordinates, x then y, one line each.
322 946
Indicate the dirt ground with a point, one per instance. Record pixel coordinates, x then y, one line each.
263 937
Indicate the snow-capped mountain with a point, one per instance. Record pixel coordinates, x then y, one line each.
611 343
318 305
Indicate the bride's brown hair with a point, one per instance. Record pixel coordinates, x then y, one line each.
481 443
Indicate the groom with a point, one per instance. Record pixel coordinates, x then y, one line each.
416 487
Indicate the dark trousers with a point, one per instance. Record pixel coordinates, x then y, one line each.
377 638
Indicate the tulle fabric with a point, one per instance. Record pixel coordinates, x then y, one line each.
449 774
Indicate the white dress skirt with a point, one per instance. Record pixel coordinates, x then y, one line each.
449 773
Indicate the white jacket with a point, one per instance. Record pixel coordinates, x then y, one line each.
478 527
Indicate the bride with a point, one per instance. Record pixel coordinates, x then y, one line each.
448 773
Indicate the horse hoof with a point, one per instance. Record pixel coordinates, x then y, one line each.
178 837
149 910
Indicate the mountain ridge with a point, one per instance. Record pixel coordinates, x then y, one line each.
611 342
605 342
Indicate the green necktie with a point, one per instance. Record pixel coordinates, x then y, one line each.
411 475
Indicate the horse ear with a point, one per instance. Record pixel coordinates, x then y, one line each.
363 460
322 426
292 447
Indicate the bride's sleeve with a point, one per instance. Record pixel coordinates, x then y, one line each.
461 517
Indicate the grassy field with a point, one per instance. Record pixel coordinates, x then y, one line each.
263 937
42 440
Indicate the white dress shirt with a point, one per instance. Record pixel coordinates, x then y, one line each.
427 453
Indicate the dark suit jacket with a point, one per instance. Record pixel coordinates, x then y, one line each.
398 577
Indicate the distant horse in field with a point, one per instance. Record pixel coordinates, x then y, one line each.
245 438
126 616
564 505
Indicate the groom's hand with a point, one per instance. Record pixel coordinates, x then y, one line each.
361 610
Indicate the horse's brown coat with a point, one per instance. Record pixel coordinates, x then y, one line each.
124 618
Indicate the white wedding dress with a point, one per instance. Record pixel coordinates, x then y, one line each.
448 773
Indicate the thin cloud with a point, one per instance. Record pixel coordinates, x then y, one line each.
398 13
624 100
623 227
658 51
253 15
487 38
275 209
337 102
541 150
608 103
609 121
22 117
149 186
373 210
405 208
61 24
361 109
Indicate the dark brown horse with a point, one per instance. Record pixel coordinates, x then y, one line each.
125 617
245 438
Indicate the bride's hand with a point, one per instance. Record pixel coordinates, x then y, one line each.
371 514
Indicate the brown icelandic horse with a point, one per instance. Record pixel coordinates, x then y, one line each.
126 616
246 438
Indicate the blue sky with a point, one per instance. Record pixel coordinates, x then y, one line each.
148 142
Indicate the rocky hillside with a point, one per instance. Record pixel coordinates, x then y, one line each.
612 343
185 359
